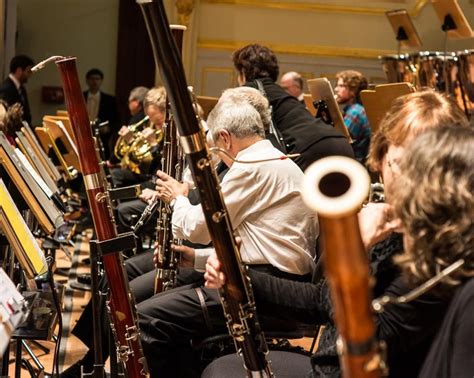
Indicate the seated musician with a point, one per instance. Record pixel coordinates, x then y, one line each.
136 99
267 212
349 85
407 329
155 108
10 120
301 132
437 212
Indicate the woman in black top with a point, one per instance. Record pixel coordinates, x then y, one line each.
301 132
437 212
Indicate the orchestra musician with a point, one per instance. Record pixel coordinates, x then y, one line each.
135 104
155 108
407 329
13 90
300 131
436 210
292 82
255 195
347 91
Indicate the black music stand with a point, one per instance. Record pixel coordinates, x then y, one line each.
404 29
455 26
326 105
453 21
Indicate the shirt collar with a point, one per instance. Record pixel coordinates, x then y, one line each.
15 81
257 147
94 94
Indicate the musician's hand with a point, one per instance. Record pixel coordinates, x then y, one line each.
150 135
186 255
376 222
148 195
168 188
126 134
215 279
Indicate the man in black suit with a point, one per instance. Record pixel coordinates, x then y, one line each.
12 90
102 107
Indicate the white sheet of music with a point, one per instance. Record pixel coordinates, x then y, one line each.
39 180
63 129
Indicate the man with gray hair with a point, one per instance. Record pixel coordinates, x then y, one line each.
135 104
292 83
254 98
266 210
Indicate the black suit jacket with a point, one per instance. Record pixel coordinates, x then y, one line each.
107 110
302 133
10 94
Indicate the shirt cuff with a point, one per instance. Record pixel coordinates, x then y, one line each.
180 201
200 258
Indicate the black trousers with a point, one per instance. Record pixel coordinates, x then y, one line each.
125 177
141 274
171 320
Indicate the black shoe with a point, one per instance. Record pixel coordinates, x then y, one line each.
73 371
85 279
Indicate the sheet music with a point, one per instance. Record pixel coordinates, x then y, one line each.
30 253
41 151
63 129
39 180
12 309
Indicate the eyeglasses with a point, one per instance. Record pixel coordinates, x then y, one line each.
393 164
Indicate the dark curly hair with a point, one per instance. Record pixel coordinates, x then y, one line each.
354 80
256 62
434 199
10 118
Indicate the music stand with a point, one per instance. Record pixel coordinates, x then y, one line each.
453 21
404 29
323 97
378 101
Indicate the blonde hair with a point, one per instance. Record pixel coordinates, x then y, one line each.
435 202
156 97
409 116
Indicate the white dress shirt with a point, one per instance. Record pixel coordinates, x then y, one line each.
15 81
266 210
93 101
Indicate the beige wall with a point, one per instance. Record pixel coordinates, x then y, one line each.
315 37
86 29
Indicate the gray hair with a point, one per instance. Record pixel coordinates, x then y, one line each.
296 77
156 97
236 116
138 93
254 98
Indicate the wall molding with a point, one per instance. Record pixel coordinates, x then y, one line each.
292 49
314 7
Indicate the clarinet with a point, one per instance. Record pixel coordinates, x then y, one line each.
122 308
336 187
172 165
236 296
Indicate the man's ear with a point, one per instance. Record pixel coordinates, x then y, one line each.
225 136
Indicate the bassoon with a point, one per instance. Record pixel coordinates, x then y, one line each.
121 303
236 296
172 165
335 187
